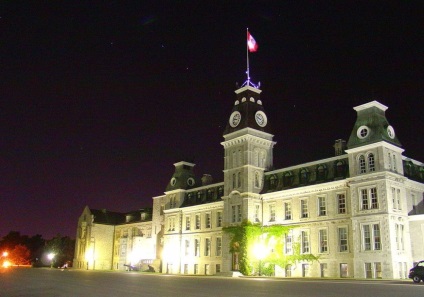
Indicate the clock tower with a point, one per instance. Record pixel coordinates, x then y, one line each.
248 147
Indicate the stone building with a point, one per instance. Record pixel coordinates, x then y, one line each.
360 211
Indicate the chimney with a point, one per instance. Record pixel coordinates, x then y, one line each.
339 147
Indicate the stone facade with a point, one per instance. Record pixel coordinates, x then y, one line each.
360 212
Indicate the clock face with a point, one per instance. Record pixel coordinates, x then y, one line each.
235 119
260 118
391 132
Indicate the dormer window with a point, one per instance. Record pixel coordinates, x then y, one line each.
273 182
304 176
321 172
288 179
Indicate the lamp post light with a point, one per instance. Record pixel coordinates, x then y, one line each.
4 255
260 252
50 257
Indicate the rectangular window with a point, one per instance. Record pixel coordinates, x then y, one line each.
218 246
218 268
369 199
371 237
396 199
343 239
305 242
287 211
198 221
185 268
368 270
377 269
322 206
239 213
288 246
219 219
207 246
208 220
341 201
188 223
187 247
303 208
236 213
196 247
196 268
323 240
257 210
272 212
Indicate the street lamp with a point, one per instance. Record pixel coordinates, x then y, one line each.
260 252
50 257
5 263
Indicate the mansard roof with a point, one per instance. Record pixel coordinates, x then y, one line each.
103 216
322 171
203 195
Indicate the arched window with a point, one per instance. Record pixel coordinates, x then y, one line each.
339 169
304 176
362 168
321 172
371 162
273 182
257 179
287 179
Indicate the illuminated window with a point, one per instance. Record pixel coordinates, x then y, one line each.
218 246
187 247
322 206
288 243
343 239
257 210
208 220
188 223
219 219
207 246
371 162
198 221
396 198
287 211
272 212
341 202
371 237
236 213
362 168
323 240
369 199
304 208
196 247
273 182
305 242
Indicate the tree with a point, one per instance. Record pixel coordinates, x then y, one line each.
62 247
20 255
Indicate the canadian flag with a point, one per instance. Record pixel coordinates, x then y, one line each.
251 43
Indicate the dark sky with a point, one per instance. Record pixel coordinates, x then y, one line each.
99 99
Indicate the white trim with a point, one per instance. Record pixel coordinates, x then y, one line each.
250 88
371 104
375 145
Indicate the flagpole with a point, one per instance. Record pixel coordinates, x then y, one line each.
247 56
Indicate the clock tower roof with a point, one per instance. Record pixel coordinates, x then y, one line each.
248 111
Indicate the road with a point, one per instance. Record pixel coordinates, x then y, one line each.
24 282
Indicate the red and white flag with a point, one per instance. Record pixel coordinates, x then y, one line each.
251 43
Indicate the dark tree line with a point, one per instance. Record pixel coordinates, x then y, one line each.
23 250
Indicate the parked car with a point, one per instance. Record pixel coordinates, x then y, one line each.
417 273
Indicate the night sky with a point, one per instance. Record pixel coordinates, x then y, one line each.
99 99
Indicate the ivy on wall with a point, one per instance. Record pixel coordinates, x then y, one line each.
244 238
